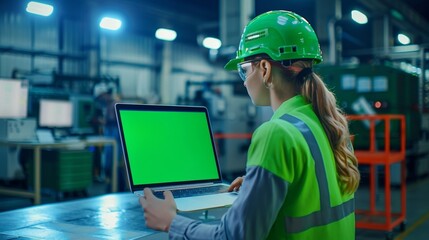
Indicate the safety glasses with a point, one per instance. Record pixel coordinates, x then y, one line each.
246 68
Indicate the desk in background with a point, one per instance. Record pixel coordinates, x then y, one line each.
37 147
112 216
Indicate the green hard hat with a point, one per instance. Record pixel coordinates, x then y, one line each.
283 35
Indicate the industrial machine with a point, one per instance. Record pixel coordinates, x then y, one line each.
14 129
380 89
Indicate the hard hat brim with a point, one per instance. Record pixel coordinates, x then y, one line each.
232 64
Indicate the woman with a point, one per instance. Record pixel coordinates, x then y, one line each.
301 172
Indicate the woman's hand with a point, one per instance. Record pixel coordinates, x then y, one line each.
236 184
158 213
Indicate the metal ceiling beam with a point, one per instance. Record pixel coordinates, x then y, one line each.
395 53
413 21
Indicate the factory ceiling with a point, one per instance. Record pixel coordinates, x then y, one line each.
191 18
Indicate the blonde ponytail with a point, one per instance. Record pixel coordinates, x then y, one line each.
335 124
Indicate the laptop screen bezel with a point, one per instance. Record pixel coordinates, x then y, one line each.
163 108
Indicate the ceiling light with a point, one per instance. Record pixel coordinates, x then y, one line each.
359 17
212 43
110 23
165 34
403 39
39 8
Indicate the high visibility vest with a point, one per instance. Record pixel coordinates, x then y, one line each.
314 207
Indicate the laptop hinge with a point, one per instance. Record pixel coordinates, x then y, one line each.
187 186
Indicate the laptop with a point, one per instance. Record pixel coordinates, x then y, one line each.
172 148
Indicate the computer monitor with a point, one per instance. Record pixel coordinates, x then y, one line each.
55 113
13 98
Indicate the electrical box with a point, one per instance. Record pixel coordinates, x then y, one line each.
18 129
14 130
10 168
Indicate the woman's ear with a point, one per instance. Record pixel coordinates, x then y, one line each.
266 70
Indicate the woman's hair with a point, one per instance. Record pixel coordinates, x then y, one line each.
314 90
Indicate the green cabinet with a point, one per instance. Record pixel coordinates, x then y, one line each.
64 170
381 89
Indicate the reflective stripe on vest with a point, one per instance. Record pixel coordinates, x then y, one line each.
326 214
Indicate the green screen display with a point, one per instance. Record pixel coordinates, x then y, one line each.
165 147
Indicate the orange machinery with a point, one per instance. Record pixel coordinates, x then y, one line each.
382 219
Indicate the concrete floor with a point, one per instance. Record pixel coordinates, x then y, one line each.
417 212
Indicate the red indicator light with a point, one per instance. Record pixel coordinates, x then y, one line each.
377 104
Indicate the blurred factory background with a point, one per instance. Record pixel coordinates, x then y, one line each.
62 63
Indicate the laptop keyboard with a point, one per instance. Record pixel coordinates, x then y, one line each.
194 191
